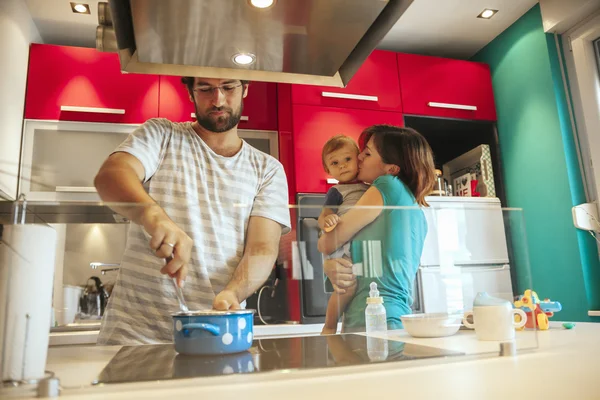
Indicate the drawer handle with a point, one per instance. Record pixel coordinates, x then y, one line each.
452 106
93 110
350 96
593 313
76 189
242 118
332 181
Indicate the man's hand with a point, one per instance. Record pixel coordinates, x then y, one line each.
226 300
339 272
168 240
330 222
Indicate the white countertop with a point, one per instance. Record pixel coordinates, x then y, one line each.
260 332
552 364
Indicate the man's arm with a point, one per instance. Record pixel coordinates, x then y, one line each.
120 181
260 253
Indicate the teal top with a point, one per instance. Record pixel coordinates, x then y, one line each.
389 250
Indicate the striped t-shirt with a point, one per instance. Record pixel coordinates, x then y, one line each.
211 198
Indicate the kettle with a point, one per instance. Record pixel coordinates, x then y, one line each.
93 299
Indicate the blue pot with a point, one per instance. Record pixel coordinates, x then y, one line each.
213 332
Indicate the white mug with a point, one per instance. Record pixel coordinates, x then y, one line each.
495 322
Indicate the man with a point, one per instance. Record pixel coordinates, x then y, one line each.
204 197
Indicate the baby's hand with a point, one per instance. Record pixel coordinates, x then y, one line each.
330 222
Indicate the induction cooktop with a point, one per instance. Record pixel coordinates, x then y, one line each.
161 362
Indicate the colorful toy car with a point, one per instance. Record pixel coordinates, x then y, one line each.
537 311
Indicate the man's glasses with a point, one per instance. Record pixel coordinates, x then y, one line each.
227 89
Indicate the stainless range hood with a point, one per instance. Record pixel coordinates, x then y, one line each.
320 42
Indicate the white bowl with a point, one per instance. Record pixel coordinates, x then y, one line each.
431 325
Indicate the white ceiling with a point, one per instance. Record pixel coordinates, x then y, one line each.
450 28
58 24
447 28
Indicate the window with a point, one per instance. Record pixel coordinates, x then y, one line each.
581 47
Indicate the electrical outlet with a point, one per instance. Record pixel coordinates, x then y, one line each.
585 217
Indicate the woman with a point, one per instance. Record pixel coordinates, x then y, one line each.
387 227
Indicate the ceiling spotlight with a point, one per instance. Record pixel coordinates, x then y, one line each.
244 58
262 3
487 13
80 8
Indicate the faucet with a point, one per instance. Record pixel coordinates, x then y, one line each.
104 271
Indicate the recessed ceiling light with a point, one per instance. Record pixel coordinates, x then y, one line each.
80 8
487 13
244 58
262 3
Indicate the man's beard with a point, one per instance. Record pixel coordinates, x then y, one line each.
224 123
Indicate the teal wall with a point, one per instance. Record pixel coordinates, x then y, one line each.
541 168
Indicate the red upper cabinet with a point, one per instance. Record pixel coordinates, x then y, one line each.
83 84
174 101
260 106
313 126
375 86
448 88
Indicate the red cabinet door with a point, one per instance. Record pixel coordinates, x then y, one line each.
83 84
260 106
313 126
448 88
174 101
375 86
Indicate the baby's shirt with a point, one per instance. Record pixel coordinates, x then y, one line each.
341 197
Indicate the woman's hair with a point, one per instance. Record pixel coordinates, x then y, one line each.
336 143
408 149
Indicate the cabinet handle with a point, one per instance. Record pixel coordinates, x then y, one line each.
242 118
470 268
93 110
350 96
593 313
452 106
76 189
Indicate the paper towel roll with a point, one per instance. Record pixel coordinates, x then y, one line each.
26 272
71 295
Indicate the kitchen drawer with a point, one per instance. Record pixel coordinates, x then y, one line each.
313 126
453 289
260 106
374 86
83 84
442 87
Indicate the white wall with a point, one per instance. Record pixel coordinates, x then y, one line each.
561 15
86 243
17 31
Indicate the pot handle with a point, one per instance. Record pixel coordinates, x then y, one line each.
214 329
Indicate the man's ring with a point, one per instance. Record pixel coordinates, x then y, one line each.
169 244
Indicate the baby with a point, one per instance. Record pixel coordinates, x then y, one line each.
340 160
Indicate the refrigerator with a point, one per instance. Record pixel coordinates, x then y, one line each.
465 252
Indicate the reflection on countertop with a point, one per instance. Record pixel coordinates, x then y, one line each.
161 362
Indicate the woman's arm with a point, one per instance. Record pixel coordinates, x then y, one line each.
353 221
